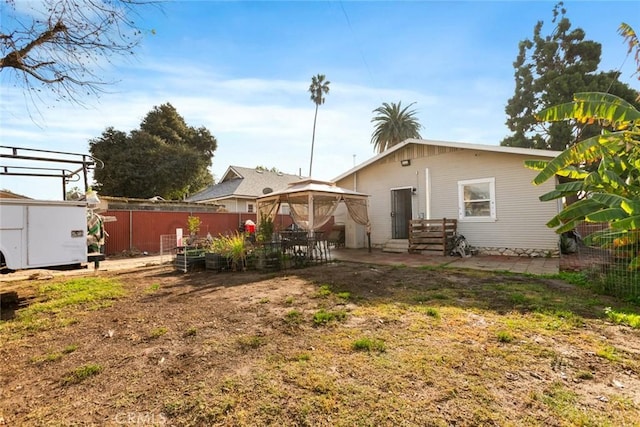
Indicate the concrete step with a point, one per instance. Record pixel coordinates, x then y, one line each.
396 246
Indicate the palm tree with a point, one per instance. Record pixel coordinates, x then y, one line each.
394 124
318 88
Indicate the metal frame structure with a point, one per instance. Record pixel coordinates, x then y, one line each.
85 161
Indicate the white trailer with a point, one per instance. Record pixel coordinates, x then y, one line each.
38 233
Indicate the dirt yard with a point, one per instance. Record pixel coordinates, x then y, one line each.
340 344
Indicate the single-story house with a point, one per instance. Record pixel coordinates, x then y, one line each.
486 188
239 187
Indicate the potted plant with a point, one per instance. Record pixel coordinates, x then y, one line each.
214 258
189 259
193 225
228 252
268 255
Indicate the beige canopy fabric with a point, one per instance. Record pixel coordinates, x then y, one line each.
313 202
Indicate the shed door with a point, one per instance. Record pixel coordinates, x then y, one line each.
400 213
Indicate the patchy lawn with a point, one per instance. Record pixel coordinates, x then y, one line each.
342 344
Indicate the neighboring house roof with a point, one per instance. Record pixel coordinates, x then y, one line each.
6 194
130 203
449 144
245 183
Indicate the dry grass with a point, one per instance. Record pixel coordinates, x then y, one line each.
336 345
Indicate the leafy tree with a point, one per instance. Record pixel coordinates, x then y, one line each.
604 170
548 71
319 88
165 157
56 43
74 193
394 124
266 169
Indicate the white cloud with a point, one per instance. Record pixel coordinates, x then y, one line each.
256 121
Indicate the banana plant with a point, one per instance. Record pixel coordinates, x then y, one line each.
604 171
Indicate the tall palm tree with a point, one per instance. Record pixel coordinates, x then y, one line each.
318 88
394 124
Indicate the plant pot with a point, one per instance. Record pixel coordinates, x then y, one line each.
188 262
215 261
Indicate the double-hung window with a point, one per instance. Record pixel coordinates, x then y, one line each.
477 200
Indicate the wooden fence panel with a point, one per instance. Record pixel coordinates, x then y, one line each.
431 234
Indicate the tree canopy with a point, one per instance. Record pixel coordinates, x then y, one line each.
165 157
394 124
56 43
549 70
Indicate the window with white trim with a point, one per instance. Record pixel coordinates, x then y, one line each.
250 207
477 200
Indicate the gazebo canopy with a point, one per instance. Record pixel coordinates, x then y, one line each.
313 202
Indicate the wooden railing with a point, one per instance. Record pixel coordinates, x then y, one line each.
431 234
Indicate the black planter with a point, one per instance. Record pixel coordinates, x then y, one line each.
216 262
189 262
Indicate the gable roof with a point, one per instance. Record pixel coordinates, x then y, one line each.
450 144
247 183
316 187
7 194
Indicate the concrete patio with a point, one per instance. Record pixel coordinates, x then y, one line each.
478 262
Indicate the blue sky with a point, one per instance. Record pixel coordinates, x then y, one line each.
242 70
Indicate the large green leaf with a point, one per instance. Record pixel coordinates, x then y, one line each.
607 215
580 209
584 151
568 226
631 207
601 97
573 172
603 238
590 107
536 165
613 179
631 223
562 190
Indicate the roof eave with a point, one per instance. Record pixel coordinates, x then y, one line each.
461 145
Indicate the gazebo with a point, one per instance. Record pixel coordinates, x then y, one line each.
313 202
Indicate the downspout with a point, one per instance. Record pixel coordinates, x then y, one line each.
427 189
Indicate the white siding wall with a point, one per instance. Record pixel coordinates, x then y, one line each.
521 217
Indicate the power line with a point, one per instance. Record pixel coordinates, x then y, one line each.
358 45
